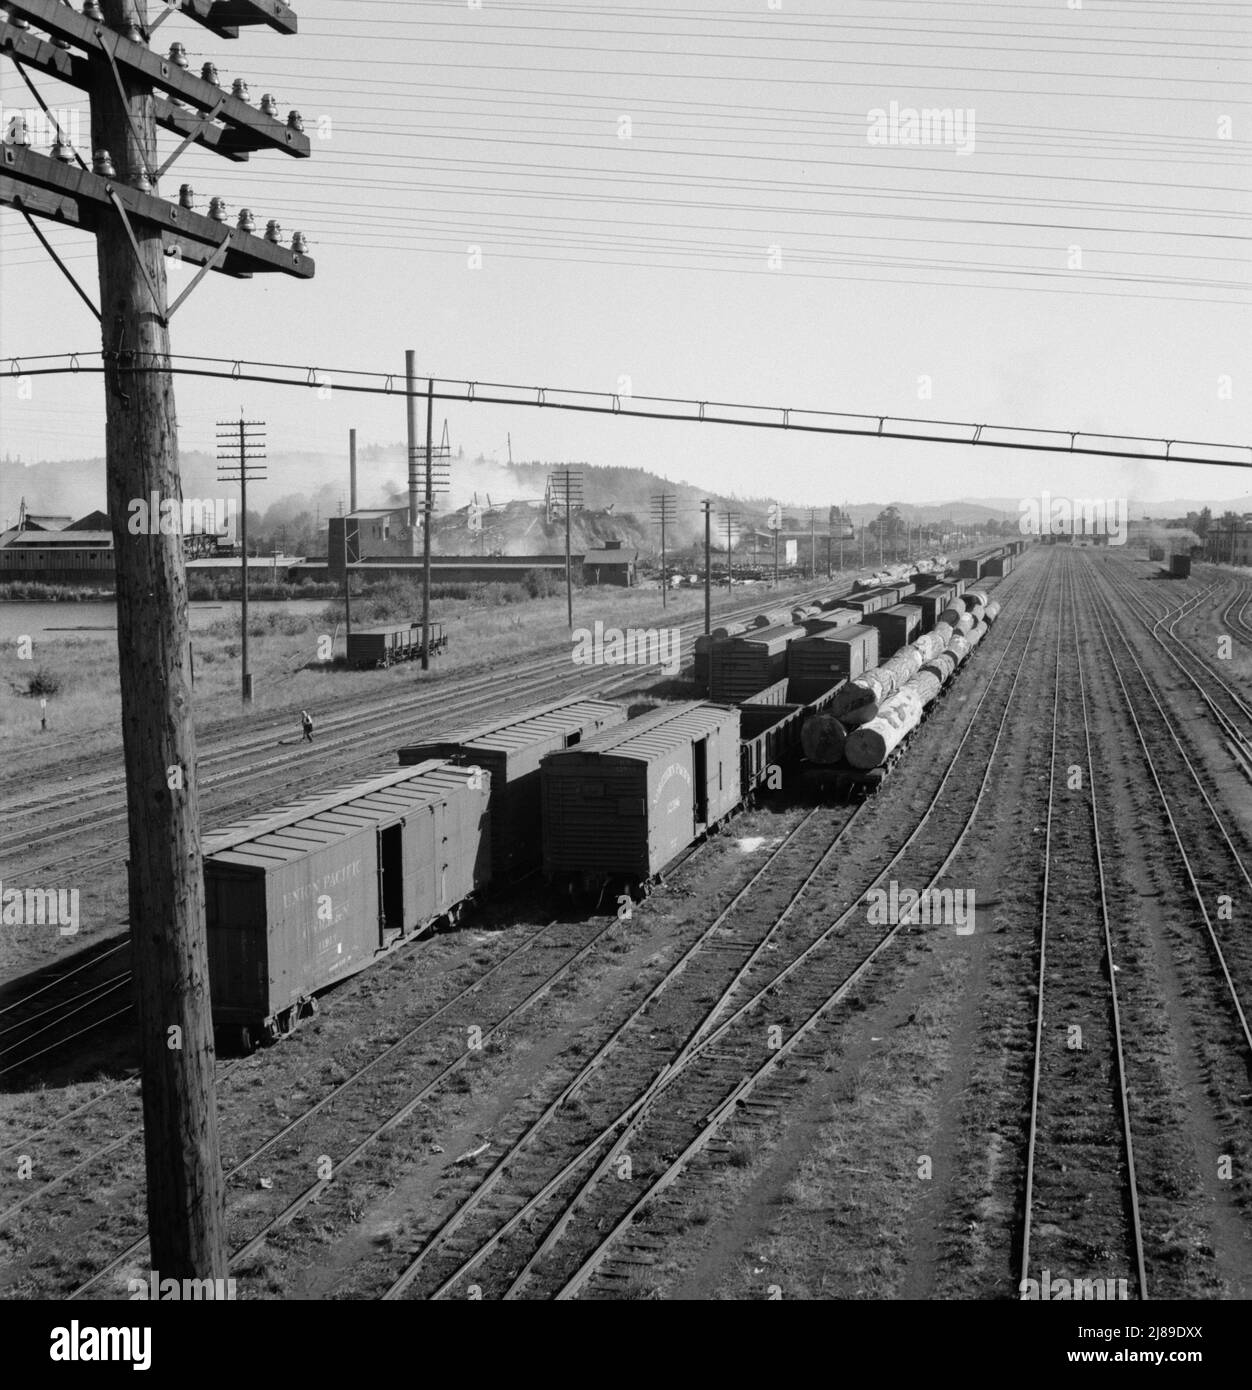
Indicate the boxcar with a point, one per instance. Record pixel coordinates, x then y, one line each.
740 666
896 627
624 805
311 893
840 654
931 602
833 617
1180 566
511 749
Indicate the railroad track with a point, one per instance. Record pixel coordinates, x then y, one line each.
1233 614
302 1157
1213 866
322 1191
1080 1204
698 1069
1226 705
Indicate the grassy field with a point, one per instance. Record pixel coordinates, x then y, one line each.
79 675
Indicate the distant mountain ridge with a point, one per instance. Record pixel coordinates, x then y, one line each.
318 483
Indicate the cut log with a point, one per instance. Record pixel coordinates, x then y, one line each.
822 738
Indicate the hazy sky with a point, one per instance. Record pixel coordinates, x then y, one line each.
746 242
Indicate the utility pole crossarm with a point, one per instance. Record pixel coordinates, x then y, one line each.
138 63
226 17
74 196
43 56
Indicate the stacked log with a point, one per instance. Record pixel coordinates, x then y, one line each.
957 619
992 613
868 746
972 596
942 665
861 698
822 738
931 643
772 617
927 685
959 647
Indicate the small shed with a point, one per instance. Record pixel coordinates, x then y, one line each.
612 563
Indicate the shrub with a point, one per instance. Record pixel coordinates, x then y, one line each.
542 583
44 682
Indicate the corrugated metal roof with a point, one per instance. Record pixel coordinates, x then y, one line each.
780 634
658 733
293 831
839 635
529 725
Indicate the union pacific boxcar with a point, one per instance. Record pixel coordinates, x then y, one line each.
308 894
624 805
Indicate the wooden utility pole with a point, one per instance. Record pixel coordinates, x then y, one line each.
113 194
570 484
428 519
663 505
731 518
240 459
708 566
169 948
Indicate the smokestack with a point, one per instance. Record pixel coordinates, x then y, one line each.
410 375
352 470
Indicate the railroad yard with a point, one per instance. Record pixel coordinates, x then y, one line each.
764 1079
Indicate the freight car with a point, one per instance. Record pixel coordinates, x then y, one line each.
896 626
309 894
511 749
619 809
1180 566
838 654
740 666
372 648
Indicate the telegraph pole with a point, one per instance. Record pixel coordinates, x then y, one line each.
248 438
731 518
813 544
571 485
428 522
113 194
707 507
663 505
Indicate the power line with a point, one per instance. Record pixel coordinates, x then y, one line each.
679 410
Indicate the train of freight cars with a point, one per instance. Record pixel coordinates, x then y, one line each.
311 893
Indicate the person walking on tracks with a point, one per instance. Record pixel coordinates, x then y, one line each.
306 723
